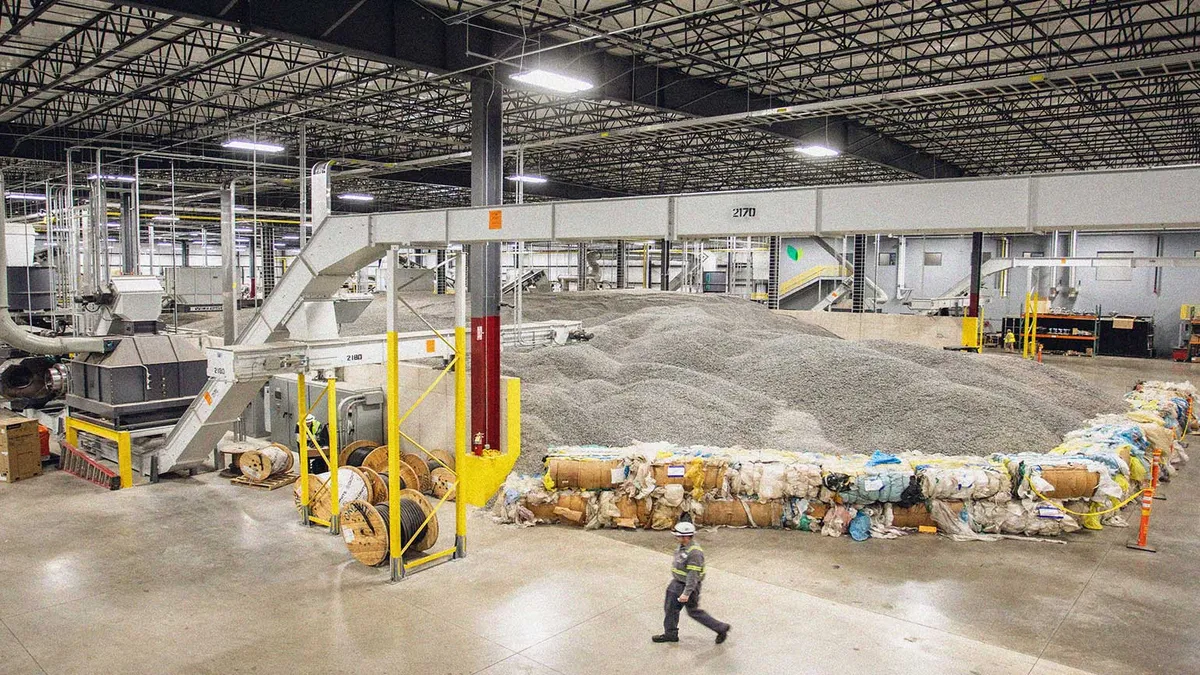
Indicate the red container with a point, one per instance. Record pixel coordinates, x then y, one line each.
1180 354
44 439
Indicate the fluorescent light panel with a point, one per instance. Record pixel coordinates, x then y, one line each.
356 197
527 178
108 176
251 145
818 151
552 81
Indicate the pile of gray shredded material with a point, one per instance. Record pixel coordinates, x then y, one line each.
714 370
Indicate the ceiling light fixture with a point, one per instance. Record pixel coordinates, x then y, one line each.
166 218
528 178
356 197
27 196
818 151
252 145
108 176
553 81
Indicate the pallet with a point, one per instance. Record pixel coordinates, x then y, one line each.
272 483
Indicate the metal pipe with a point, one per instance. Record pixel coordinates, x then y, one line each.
22 339
230 286
303 184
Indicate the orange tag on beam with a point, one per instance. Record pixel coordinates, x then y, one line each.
495 217
430 346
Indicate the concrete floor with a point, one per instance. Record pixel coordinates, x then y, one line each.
197 576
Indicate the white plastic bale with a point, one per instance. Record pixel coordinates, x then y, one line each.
803 480
1023 516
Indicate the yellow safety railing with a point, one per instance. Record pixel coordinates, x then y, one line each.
397 548
1029 326
811 274
122 438
331 459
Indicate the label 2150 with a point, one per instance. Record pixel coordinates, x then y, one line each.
745 212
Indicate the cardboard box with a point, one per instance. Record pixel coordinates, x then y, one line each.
20 447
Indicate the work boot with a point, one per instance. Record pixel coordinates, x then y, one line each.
723 634
665 638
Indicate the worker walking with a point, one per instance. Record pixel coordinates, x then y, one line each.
687 573
1010 341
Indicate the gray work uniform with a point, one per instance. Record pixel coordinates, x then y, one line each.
687 573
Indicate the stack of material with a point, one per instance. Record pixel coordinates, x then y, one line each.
1082 482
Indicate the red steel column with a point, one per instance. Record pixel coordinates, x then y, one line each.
487 167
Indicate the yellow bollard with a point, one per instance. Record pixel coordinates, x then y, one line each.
334 498
302 410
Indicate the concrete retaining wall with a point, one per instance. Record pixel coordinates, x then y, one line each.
931 331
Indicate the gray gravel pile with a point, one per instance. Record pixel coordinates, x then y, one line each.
696 369
721 372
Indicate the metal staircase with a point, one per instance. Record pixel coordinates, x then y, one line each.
842 272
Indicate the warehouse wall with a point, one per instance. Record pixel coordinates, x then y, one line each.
1135 295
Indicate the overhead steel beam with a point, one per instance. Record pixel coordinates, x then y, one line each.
462 178
414 35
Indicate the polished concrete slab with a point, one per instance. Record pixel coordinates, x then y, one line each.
198 576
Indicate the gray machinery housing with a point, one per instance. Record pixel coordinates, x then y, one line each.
30 289
147 379
360 411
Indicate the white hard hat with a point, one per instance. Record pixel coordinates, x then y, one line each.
684 529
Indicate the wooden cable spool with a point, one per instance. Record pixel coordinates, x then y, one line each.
377 484
261 464
355 453
444 481
365 527
420 468
443 459
377 459
352 484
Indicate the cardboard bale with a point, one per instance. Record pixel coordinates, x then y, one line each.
634 512
742 513
20 447
585 474
677 474
1071 482
917 516
544 511
572 507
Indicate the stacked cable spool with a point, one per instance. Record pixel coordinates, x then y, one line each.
1084 482
364 499
365 527
263 463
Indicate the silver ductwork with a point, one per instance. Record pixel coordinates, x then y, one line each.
22 339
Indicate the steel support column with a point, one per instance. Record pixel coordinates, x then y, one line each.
441 271
773 273
229 290
268 259
664 266
622 265
858 292
581 266
130 246
483 266
976 276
